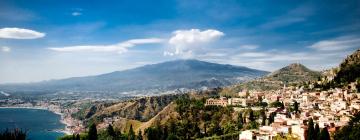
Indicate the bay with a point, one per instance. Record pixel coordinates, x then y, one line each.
39 124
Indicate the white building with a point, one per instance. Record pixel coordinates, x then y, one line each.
246 135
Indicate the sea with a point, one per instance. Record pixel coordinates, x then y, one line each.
39 124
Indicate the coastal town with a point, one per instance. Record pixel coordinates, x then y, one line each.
330 109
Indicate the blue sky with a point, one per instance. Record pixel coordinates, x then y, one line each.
48 39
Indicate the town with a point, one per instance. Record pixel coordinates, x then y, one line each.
329 109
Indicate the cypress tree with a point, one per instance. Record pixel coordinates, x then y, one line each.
296 107
272 117
310 131
131 133
251 115
139 136
316 131
282 105
240 121
164 133
173 127
77 137
92 132
324 135
110 131
263 116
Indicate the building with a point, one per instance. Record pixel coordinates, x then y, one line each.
217 102
246 135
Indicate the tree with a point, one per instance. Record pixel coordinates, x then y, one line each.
131 133
251 115
253 125
139 136
316 131
153 133
173 127
229 128
282 105
77 137
240 123
272 117
277 104
296 107
324 135
350 131
172 137
110 131
165 133
216 129
15 134
263 116
92 132
310 131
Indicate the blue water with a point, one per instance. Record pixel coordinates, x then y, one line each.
38 123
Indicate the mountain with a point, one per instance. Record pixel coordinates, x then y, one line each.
294 73
162 76
349 69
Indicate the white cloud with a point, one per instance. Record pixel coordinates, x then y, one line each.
76 14
194 36
338 44
18 33
166 53
184 41
255 54
119 47
249 47
5 49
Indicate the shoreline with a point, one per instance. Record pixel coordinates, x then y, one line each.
66 132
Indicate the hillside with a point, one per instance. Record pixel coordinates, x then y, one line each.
142 109
349 69
292 74
141 113
163 76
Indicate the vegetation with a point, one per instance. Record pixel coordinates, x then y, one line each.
92 132
277 104
195 120
131 133
15 134
109 134
345 74
141 109
294 73
311 135
351 131
317 131
349 69
324 135
75 137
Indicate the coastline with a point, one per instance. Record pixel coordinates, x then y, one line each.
66 132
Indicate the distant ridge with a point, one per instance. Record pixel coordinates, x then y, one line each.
162 76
